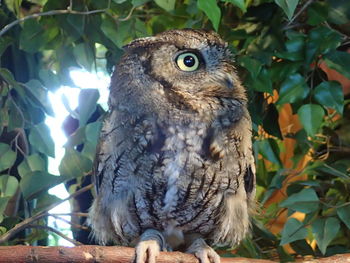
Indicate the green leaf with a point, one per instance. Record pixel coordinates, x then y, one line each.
263 82
14 5
238 3
295 48
140 29
330 94
3 205
84 55
87 104
302 248
279 71
211 9
325 230
8 77
31 163
293 89
251 64
45 200
3 230
50 79
339 61
269 149
77 22
16 118
344 214
74 164
284 255
40 94
293 230
32 36
124 29
168 5
7 156
41 140
76 138
305 201
311 116
34 183
339 11
317 13
8 185
5 41
39 2
92 131
288 6
321 40
338 169
89 150
109 28
270 124
137 3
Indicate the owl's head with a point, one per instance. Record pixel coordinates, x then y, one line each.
190 66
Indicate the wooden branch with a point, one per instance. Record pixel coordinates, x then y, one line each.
25 223
27 254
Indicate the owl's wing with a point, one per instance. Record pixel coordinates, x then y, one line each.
102 153
235 123
127 138
97 175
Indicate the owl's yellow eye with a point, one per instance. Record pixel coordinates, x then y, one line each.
187 61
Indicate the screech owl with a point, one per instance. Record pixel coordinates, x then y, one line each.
175 163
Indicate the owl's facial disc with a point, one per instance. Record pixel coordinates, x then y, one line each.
187 61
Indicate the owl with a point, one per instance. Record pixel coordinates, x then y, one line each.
174 165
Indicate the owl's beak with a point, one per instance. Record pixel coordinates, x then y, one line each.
228 83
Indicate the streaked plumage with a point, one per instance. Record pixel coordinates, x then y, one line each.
175 157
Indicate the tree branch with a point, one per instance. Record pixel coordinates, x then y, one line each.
29 221
117 255
49 13
53 230
74 225
301 10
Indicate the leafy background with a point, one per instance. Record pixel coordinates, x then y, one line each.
292 56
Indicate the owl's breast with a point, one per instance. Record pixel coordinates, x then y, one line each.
188 189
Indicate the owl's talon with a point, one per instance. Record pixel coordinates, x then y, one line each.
203 252
151 243
147 251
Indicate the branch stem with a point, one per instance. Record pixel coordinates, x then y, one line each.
27 222
48 13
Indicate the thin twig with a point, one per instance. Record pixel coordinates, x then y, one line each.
334 206
128 16
301 10
49 13
25 223
74 225
51 229
70 214
346 37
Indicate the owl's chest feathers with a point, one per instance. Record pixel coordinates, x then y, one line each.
182 156
187 183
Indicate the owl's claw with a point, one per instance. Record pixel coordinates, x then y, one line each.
203 252
147 251
151 243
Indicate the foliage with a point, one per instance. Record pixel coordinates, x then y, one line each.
279 47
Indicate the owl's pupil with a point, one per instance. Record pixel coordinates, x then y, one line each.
189 61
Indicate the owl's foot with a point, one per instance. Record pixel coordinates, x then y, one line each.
203 252
151 243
